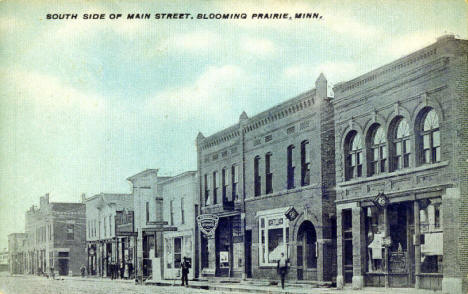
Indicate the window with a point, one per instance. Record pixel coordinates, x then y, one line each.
290 168
378 151
147 211
171 208
104 221
268 174
215 187
305 163
70 230
182 212
353 152
177 252
225 183
274 239
257 178
401 146
431 227
431 138
207 190
110 225
235 180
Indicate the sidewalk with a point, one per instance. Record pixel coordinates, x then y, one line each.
292 288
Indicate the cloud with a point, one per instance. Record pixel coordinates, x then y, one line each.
49 92
209 96
259 47
406 44
198 41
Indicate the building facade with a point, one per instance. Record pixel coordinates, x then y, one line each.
16 245
149 224
56 238
401 171
105 246
270 180
180 206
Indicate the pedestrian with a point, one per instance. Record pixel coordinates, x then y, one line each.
52 272
282 268
186 265
111 269
83 270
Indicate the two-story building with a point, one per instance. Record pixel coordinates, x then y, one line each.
180 206
148 223
104 247
16 247
269 180
401 171
55 233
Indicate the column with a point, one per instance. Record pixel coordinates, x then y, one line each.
339 249
417 245
139 255
358 248
211 271
386 234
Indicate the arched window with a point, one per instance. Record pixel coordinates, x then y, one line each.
431 137
377 151
353 151
401 145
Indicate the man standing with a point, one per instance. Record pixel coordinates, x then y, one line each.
185 271
282 268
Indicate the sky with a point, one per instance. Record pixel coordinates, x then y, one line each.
84 104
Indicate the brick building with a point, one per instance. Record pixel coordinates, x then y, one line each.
401 170
16 244
105 246
180 206
269 180
56 237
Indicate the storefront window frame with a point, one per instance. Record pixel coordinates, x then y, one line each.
264 236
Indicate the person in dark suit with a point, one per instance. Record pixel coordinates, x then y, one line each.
186 265
282 268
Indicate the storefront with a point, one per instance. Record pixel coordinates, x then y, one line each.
401 241
177 246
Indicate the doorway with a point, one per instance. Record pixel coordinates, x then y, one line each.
306 252
248 253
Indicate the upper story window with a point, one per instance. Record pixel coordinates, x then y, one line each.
171 212
235 180
207 190
147 213
215 187
268 174
305 163
430 137
290 167
377 151
225 183
70 230
257 178
182 211
401 145
353 151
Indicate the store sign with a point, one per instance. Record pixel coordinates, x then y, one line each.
291 214
207 223
380 200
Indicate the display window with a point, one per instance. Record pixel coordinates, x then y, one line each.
273 239
431 227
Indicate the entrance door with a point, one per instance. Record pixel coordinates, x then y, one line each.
248 253
223 248
306 252
347 230
63 267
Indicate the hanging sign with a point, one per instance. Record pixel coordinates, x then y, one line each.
207 223
380 200
291 214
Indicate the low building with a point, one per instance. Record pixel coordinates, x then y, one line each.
105 246
4 260
55 237
16 247
401 171
180 206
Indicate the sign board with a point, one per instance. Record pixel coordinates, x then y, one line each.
380 200
223 256
207 223
291 214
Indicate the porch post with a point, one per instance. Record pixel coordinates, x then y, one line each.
417 245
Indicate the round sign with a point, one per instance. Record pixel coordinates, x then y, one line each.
207 223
